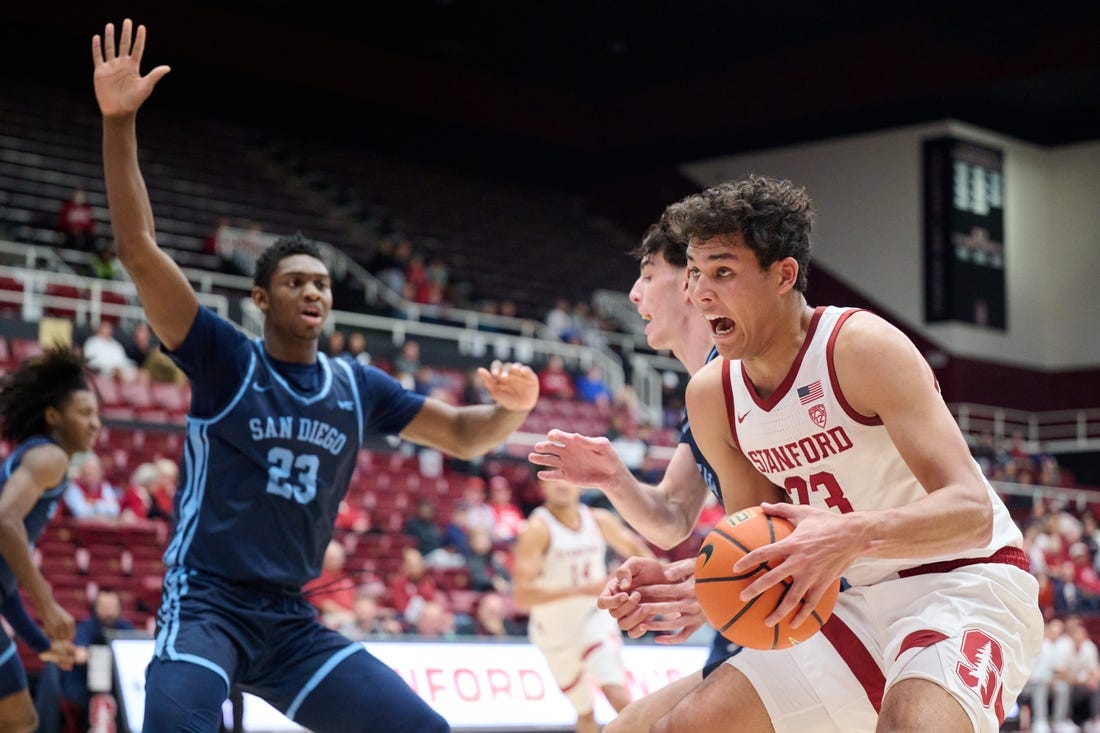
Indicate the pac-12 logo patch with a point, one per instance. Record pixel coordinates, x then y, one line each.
818 415
982 666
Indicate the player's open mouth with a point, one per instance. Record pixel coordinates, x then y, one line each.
312 315
720 325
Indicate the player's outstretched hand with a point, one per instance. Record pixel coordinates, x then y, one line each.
119 86
511 385
576 459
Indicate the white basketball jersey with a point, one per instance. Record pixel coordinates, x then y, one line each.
807 439
574 557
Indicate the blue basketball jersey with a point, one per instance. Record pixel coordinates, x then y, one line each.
705 469
40 514
262 478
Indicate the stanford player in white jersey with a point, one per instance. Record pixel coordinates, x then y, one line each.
560 567
941 626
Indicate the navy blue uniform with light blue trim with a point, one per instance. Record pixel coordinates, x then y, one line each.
721 648
269 452
12 676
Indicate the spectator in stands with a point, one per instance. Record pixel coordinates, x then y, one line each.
434 621
592 388
456 534
1036 692
369 621
508 520
153 364
423 527
559 320
210 242
76 222
104 261
106 618
491 619
1077 681
479 515
630 446
137 498
163 492
407 360
382 257
357 348
106 354
332 593
48 412
472 391
336 345
90 495
350 518
485 566
411 586
554 381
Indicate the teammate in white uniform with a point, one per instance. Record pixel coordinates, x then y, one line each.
942 625
560 567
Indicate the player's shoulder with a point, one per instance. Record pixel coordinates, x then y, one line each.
46 461
863 335
707 378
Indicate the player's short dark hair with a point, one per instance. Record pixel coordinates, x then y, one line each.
657 241
279 250
42 381
773 216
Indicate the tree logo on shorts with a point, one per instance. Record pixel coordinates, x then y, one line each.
982 666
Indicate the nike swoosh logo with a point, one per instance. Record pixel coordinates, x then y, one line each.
741 418
707 550
260 387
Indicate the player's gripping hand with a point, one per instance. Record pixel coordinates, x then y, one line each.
645 594
511 385
119 86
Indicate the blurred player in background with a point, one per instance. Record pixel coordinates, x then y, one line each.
560 568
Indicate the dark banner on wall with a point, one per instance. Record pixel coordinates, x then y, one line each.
964 245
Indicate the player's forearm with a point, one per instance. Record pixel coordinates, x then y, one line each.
647 509
128 200
483 427
953 519
16 552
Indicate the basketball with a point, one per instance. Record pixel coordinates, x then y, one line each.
718 589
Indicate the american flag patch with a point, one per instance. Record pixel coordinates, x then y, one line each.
810 392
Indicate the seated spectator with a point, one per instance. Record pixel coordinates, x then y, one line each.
89 495
592 389
163 492
434 621
455 537
407 360
153 363
491 618
410 587
106 354
422 526
332 593
369 621
357 348
486 569
508 520
106 617
1077 681
137 498
559 320
104 261
1036 691
76 222
479 515
336 344
352 519
554 381
629 446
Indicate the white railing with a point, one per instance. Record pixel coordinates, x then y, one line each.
1055 431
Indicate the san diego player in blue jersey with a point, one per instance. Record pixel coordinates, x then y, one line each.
665 513
49 413
272 438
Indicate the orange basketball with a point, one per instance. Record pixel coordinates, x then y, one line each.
718 588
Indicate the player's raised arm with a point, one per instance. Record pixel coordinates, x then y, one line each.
168 299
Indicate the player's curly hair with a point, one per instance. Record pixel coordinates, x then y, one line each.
657 241
280 249
773 216
41 381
